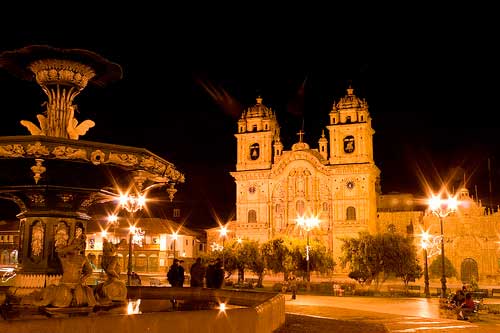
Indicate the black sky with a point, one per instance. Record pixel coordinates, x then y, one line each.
432 95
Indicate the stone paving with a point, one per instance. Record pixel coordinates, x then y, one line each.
317 314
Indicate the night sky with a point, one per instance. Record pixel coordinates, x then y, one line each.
432 97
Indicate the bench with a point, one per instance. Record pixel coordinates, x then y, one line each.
413 290
480 293
495 291
396 289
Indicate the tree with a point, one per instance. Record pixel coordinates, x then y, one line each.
388 253
251 254
277 256
284 255
364 256
400 257
435 268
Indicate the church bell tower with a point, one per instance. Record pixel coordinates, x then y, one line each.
258 130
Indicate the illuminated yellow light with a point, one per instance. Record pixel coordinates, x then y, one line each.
112 218
133 307
223 231
434 203
222 307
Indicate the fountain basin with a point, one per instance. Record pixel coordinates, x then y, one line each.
250 311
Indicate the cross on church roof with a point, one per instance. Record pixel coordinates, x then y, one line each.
301 135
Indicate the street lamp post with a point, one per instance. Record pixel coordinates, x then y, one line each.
442 208
223 233
174 238
131 203
424 243
307 224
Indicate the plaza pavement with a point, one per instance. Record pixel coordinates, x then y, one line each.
377 314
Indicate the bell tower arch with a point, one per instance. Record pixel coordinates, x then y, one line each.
258 132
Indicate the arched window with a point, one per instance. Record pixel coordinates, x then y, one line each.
254 151
349 144
300 208
252 216
351 213
325 207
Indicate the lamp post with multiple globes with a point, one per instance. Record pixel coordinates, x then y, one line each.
308 224
442 208
132 204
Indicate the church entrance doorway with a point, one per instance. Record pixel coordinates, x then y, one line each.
469 271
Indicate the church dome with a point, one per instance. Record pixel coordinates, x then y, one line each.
300 146
350 101
259 110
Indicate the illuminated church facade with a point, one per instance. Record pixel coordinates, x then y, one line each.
338 182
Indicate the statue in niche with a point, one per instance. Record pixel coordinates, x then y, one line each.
409 228
113 289
37 233
61 235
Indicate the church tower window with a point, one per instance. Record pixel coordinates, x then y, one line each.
254 151
254 128
348 120
349 144
325 207
252 216
351 213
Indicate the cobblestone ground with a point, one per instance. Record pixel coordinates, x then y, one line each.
307 324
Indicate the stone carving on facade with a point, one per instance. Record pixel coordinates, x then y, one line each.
64 152
15 150
93 198
37 200
152 164
123 159
97 157
65 197
37 149
289 157
37 239
38 169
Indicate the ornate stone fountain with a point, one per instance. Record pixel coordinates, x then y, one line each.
54 177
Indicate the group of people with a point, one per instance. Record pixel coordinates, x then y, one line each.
212 275
175 275
463 303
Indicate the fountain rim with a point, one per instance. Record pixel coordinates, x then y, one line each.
18 61
155 167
